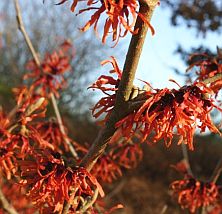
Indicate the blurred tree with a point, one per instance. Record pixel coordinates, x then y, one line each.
204 16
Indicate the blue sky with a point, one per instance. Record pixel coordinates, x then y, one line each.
158 52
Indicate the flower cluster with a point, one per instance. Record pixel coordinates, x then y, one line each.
121 16
48 77
168 113
193 194
51 183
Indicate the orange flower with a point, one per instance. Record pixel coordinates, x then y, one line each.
168 113
106 169
17 197
106 84
50 182
48 78
193 194
50 132
127 155
121 16
8 164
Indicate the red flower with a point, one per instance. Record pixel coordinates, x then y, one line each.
127 155
121 16
51 133
193 194
106 169
8 164
16 195
48 78
185 109
208 67
106 84
50 182
4 123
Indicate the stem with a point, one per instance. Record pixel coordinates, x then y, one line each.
217 171
61 126
125 86
186 157
6 205
90 202
24 33
38 63
213 79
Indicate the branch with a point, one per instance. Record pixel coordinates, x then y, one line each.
61 126
121 107
6 205
38 63
186 157
213 79
217 171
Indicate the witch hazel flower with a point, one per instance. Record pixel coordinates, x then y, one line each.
108 85
193 194
49 76
169 113
50 183
120 16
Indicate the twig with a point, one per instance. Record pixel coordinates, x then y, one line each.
6 205
23 31
213 79
217 171
59 119
116 189
68 204
164 209
186 157
38 63
89 203
125 87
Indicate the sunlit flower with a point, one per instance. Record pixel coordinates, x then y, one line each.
106 84
120 16
51 183
206 67
48 78
169 113
193 194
